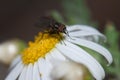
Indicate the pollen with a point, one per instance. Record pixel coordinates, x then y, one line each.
41 46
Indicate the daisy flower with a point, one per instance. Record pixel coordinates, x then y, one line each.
35 63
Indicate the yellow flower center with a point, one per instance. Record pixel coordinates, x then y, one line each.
43 43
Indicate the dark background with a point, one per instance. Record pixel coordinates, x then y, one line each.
18 16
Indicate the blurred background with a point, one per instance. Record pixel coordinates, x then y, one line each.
17 18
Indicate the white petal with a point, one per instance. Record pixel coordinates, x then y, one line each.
41 65
36 75
15 61
94 38
29 72
48 59
46 78
81 27
94 46
78 55
57 55
44 68
23 74
15 72
54 56
86 33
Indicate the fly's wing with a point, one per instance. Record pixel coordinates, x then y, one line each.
44 23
